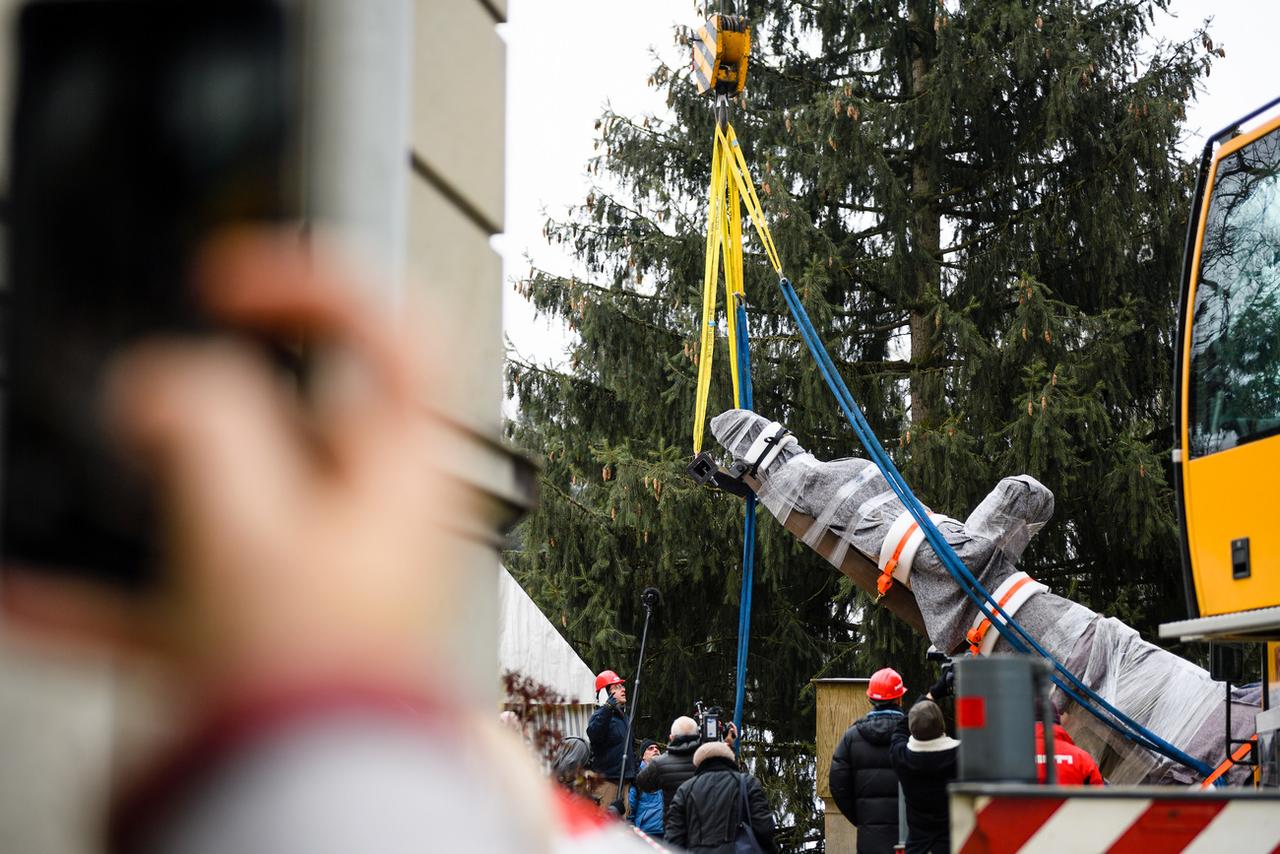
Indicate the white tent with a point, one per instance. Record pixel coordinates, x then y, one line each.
529 645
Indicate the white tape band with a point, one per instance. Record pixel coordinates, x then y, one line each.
1025 592
907 554
874 502
761 442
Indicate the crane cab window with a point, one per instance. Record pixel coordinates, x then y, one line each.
1235 333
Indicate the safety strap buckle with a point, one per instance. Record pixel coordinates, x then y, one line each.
975 636
885 582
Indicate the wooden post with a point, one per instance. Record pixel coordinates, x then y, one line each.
840 702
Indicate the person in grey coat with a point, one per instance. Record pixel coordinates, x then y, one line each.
850 499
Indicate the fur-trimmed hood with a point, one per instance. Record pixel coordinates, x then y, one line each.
932 745
713 750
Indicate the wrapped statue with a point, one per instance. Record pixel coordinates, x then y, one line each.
850 500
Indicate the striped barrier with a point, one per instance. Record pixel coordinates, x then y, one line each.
1004 819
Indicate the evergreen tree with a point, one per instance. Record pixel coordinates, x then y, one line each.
982 208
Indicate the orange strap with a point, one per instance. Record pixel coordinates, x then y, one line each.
1228 763
885 581
977 633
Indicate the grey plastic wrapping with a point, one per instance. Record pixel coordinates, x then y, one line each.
850 499
1169 695
1166 694
1011 515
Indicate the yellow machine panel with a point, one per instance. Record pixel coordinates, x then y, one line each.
720 54
1233 537
1230 375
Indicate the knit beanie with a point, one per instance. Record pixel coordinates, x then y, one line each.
925 721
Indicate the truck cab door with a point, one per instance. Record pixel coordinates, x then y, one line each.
1228 380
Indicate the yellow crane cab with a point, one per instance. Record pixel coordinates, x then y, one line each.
1226 460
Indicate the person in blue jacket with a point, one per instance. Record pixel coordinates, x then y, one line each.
646 807
607 732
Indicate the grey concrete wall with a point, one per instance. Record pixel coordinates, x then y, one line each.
456 202
405 157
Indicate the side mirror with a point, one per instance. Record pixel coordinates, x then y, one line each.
1226 662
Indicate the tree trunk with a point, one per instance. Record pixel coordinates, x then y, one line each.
926 379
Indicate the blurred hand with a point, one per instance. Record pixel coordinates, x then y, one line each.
730 734
301 538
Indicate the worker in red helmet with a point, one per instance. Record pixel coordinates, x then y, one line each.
863 781
607 732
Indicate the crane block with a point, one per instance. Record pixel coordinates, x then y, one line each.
720 53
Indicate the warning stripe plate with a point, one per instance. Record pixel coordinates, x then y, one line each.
1117 821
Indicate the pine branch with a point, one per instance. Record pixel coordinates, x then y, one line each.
575 379
568 282
849 206
636 215
602 519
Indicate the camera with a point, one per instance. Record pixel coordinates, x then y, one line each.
711 725
946 673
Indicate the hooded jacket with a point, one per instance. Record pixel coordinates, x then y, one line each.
607 732
863 782
707 808
924 769
647 811
1075 766
670 770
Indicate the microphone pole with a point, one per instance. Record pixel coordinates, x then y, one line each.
650 597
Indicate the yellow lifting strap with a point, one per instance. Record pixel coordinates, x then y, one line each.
748 190
717 245
730 189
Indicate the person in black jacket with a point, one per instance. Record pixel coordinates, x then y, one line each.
863 782
707 808
607 732
925 758
675 766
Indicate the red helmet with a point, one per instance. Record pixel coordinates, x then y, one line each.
885 684
608 677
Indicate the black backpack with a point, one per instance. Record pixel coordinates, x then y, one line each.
744 840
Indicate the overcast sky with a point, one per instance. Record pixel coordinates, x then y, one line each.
567 59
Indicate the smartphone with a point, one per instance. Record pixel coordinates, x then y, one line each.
140 128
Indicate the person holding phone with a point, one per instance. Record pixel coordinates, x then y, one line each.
307 554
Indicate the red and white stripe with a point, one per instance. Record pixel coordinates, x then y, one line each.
580 828
1118 825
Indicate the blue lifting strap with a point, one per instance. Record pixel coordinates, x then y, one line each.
748 536
1013 633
